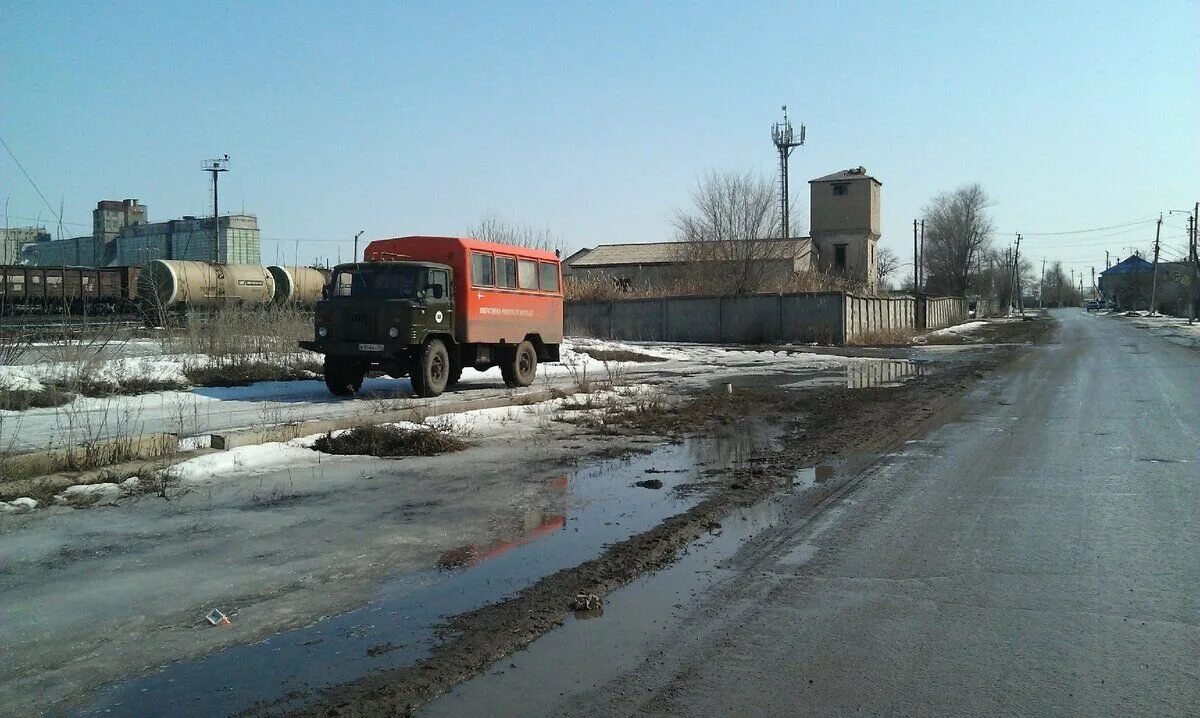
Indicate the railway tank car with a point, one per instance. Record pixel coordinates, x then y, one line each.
298 285
171 284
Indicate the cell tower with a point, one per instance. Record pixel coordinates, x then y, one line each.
785 142
216 167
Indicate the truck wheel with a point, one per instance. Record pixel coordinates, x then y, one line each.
432 370
522 367
344 375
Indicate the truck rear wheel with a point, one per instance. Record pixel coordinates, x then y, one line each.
344 375
521 368
432 370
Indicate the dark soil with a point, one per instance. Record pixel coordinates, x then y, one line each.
818 426
243 373
44 398
619 355
388 440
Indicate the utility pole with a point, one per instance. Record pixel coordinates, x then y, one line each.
1195 283
1042 283
921 261
1017 274
785 142
360 232
1154 279
916 262
1106 264
1093 282
215 168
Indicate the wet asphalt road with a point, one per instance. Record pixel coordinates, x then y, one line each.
1037 556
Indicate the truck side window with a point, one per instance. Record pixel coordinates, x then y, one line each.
549 276
527 275
481 270
342 284
506 272
437 278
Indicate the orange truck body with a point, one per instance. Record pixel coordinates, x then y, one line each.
485 312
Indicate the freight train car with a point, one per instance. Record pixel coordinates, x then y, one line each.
177 284
77 290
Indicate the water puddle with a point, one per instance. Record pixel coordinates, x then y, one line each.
812 476
863 374
602 505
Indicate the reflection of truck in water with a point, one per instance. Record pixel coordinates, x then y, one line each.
426 307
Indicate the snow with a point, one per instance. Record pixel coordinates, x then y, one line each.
958 329
83 495
18 506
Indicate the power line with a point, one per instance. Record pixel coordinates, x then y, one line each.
35 187
1085 231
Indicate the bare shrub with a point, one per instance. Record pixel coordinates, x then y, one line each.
389 440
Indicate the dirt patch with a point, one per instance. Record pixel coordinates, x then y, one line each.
44 398
242 373
620 355
817 425
389 440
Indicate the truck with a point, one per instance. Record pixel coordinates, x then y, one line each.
426 307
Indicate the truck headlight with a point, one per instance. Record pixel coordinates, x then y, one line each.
322 332
393 332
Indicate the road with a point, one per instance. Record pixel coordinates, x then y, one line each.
1035 556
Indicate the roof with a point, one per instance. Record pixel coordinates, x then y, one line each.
854 173
609 255
1132 264
396 245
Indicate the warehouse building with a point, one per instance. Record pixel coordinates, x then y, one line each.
12 239
845 230
122 235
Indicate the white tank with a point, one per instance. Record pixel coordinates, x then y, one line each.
171 282
298 285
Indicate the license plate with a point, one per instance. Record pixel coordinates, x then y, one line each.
370 347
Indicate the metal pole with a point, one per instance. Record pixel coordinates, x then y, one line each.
1154 279
916 262
921 260
1042 283
1017 275
355 259
216 221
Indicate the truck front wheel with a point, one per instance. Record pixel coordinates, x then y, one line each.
432 370
344 375
521 367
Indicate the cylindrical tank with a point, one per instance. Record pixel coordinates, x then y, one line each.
298 285
172 282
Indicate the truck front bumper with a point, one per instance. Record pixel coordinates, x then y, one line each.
363 349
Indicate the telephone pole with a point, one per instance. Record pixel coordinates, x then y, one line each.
921 261
1017 275
1042 283
785 142
1093 282
916 262
1154 279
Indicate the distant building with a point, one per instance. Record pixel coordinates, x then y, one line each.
123 235
844 215
14 238
1129 284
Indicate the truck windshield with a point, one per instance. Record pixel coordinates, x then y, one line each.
377 282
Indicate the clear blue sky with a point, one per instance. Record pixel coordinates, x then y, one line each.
594 120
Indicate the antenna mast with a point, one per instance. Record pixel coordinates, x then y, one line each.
785 142
216 167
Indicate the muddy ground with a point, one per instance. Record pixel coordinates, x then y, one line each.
816 425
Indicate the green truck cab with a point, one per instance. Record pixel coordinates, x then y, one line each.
395 317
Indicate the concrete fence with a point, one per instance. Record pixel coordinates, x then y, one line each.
824 317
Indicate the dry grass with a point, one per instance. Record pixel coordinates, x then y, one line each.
619 355
899 336
389 440
44 398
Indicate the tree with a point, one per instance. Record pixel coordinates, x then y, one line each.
957 236
730 237
886 263
493 228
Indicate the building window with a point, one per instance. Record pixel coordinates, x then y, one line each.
841 188
839 257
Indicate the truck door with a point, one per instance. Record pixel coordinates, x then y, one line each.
440 300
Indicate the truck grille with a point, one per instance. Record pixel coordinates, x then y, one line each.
358 324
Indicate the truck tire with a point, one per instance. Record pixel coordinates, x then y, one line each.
456 370
521 367
432 370
344 375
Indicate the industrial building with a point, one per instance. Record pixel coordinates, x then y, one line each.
843 241
122 235
13 238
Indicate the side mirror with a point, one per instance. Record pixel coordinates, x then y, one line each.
437 291
325 291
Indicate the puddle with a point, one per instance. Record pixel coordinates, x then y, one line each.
602 505
811 476
861 374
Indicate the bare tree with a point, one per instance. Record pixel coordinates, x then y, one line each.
493 228
730 238
957 234
886 264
